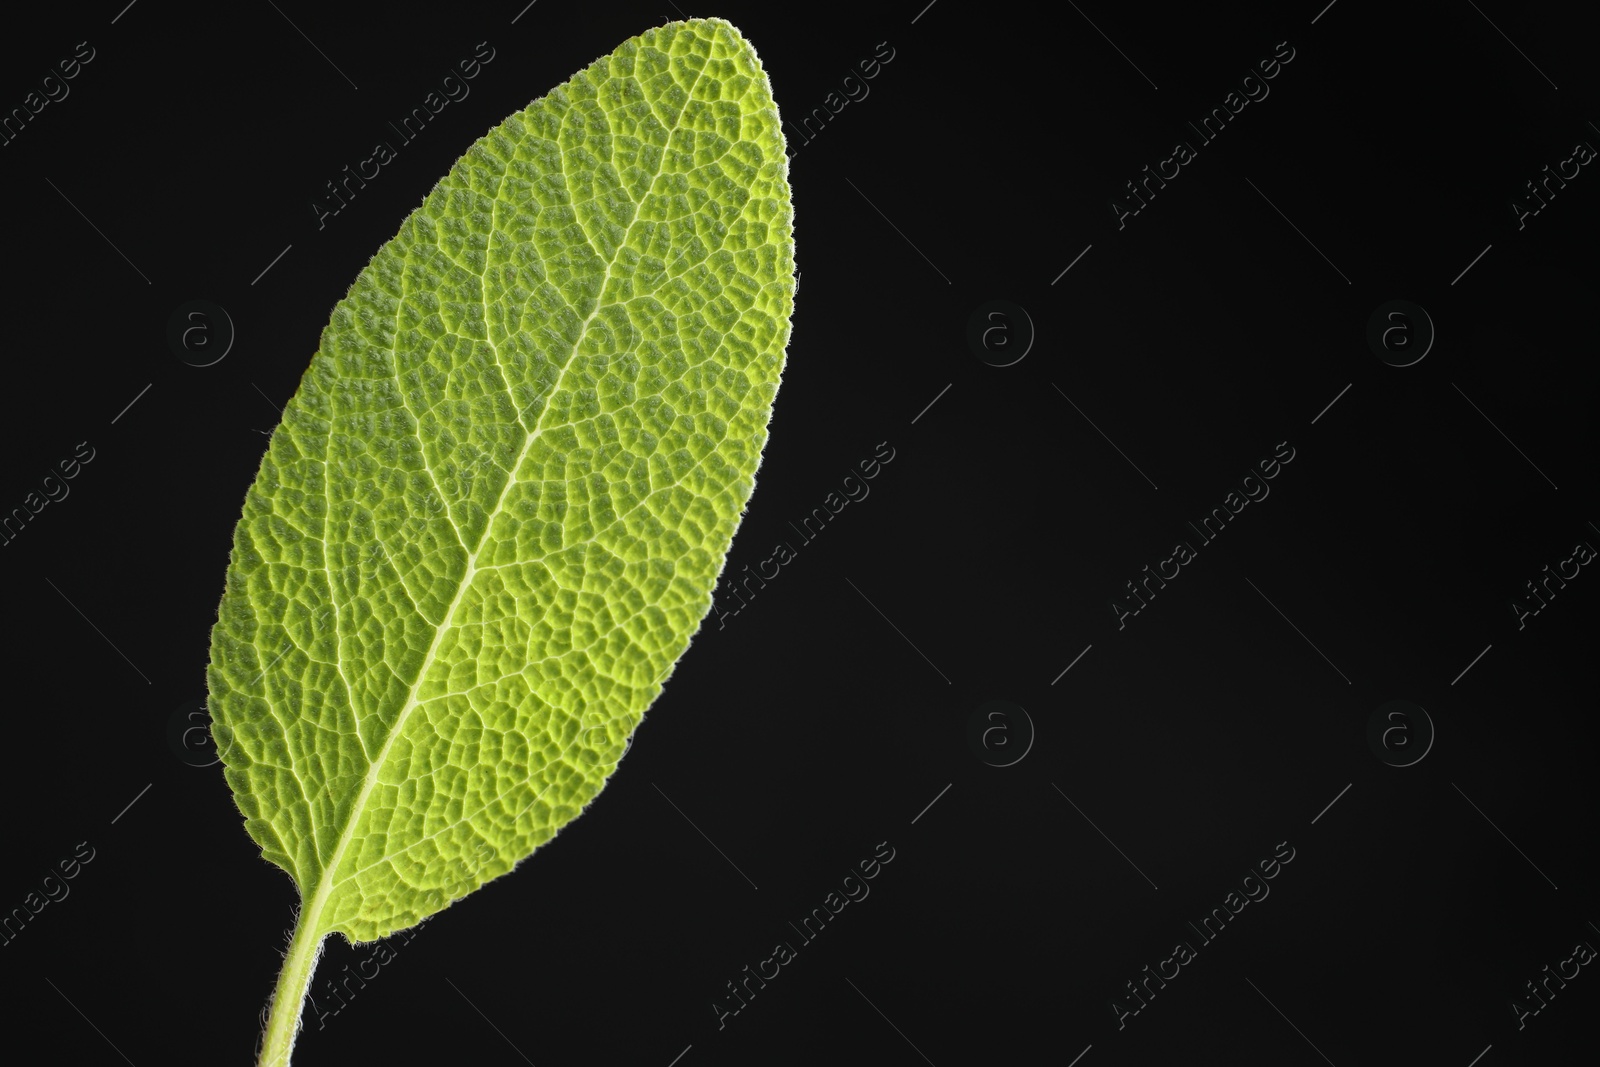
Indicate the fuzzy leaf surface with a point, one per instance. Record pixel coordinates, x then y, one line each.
495 510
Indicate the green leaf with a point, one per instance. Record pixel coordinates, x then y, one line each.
497 506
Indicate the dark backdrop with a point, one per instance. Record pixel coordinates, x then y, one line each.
1153 758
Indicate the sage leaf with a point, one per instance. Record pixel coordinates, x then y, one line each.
495 510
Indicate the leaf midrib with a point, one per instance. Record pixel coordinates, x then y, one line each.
325 880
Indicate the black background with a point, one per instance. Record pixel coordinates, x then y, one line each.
826 716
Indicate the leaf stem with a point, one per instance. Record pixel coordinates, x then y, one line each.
283 1023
